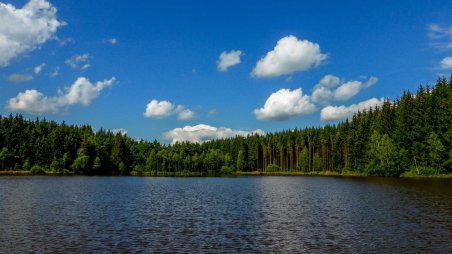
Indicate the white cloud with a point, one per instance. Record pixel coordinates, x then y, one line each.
39 68
23 30
81 92
65 41
112 41
79 60
289 55
440 37
322 93
326 91
349 89
328 81
19 78
446 63
201 133
162 109
285 104
228 59
121 131
185 114
156 109
335 113
85 66
55 72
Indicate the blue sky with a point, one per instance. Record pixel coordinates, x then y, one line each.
154 68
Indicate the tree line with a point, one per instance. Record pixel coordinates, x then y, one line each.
412 133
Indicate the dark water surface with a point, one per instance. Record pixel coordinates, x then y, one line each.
245 214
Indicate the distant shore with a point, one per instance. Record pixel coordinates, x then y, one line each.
239 173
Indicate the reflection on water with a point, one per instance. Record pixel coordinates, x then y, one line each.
245 214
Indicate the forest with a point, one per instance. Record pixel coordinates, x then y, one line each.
411 134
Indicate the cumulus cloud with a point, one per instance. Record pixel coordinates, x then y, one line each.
185 114
335 113
440 37
328 81
23 30
330 88
202 132
19 78
81 92
161 109
79 61
39 68
289 55
156 109
228 59
285 104
322 93
352 88
446 63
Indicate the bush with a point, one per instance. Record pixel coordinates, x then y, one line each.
273 168
139 169
26 165
424 171
227 170
36 169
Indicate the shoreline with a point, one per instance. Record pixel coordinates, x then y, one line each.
237 174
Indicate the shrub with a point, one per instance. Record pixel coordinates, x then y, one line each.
273 168
36 169
227 170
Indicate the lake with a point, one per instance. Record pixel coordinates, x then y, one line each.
231 215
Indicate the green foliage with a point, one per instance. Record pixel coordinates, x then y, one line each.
36 169
273 168
241 161
123 169
227 170
383 156
424 171
81 165
435 150
4 154
54 166
97 166
26 165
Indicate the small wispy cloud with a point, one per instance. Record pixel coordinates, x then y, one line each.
39 68
64 41
440 37
55 72
112 41
19 77
79 61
